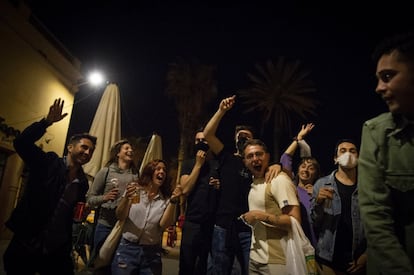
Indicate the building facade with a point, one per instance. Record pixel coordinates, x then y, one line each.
35 69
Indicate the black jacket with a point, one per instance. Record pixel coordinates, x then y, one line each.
42 216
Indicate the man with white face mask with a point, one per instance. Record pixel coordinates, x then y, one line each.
335 216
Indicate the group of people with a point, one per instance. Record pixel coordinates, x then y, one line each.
256 201
239 204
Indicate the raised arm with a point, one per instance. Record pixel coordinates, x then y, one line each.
187 181
210 130
55 112
25 145
168 217
286 158
304 131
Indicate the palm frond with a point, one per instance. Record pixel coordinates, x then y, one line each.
192 86
279 90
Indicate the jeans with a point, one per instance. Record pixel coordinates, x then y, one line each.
195 248
226 247
132 258
101 232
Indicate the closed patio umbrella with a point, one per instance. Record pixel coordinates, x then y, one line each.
106 126
154 151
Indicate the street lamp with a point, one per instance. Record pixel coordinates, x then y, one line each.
95 78
82 102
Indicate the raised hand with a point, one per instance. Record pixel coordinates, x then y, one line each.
200 158
227 103
55 111
305 130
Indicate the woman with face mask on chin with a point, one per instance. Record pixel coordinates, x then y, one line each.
341 244
305 176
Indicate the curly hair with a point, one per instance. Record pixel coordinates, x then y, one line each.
315 163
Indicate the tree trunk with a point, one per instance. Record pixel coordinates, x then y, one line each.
277 133
180 160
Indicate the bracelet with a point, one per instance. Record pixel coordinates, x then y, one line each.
297 139
174 201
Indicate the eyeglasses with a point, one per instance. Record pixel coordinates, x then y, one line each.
258 154
200 140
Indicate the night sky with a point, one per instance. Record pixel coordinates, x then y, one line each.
133 44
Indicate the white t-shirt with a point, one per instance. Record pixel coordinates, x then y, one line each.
270 198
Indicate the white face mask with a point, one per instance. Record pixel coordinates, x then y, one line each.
347 160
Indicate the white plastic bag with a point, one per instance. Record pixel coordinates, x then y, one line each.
300 254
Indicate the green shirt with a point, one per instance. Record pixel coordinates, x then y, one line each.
386 193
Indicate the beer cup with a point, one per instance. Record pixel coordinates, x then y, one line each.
137 194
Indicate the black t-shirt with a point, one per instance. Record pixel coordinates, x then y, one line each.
343 241
235 181
201 201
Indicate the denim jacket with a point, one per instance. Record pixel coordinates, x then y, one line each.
325 220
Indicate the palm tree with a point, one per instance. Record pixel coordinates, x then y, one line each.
278 92
193 86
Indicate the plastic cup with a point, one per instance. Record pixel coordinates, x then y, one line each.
328 202
78 213
137 194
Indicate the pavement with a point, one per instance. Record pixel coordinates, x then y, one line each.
169 261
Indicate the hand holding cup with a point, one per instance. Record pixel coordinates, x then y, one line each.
326 194
112 194
134 192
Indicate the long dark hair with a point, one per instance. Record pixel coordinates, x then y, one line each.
113 154
146 177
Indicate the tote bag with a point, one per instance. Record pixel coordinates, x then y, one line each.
108 248
300 254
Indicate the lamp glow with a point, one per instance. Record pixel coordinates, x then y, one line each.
95 78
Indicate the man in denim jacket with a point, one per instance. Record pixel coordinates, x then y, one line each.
387 163
335 216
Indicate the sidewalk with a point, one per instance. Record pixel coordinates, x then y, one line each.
169 261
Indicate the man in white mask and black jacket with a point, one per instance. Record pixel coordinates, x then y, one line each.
341 242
